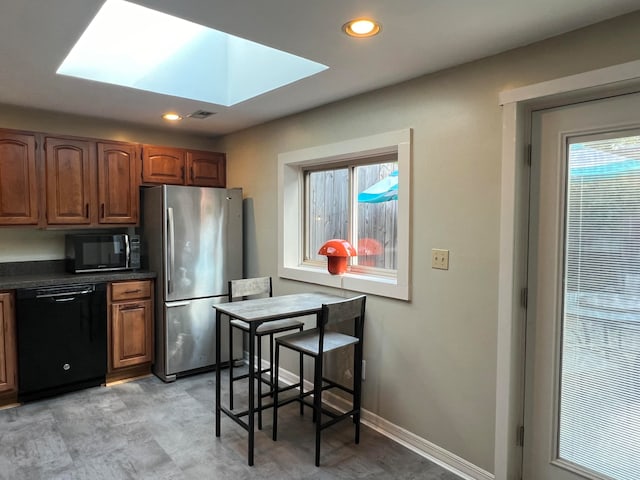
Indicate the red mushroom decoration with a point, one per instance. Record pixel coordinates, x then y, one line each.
368 251
337 251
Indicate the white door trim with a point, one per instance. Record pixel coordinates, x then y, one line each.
600 78
517 106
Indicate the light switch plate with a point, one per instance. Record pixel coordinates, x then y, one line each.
440 259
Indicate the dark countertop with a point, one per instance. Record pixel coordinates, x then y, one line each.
46 274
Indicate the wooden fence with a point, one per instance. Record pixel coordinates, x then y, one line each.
329 215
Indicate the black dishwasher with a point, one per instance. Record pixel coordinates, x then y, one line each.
62 339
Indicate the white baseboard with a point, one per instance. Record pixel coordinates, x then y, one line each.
413 442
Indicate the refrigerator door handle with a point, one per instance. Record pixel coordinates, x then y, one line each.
127 251
170 249
178 304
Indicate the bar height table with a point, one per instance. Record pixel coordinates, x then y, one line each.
255 312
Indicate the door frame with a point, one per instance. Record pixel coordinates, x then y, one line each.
517 107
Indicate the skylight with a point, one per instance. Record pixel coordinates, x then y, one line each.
153 51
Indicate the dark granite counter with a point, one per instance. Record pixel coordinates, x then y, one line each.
49 273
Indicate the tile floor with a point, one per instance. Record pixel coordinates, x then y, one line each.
146 429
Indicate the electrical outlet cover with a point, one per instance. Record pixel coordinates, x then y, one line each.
440 259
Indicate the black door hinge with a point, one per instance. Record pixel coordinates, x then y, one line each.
524 297
528 155
520 436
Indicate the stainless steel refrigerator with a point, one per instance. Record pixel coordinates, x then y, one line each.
192 237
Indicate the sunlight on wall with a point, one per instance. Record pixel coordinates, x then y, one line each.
20 245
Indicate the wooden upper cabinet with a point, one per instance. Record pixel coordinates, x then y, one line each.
8 370
89 183
206 169
166 165
18 183
163 165
118 198
69 176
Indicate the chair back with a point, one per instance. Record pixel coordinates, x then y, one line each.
344 310
250 287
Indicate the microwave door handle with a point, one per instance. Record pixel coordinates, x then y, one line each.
127 251
170 249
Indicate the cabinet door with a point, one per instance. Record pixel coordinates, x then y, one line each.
18 187
206 169
132 340
7 344
118 198
69 181
163 165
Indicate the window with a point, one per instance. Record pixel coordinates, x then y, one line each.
599 379
356 202
357 190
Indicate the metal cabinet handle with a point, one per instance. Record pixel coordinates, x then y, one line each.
132 307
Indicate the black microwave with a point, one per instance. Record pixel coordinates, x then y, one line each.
94 252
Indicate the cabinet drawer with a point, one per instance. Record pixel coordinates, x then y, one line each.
130 290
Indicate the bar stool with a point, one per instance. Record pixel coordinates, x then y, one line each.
315 343
245 289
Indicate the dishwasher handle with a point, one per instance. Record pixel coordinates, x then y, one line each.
65 294
62 300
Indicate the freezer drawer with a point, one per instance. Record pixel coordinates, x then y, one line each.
188 338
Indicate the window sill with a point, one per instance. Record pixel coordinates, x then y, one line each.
374 285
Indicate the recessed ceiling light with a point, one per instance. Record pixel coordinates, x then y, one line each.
172 117
361 27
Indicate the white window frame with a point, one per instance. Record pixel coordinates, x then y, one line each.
291 213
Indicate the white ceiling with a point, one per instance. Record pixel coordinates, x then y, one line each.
418 37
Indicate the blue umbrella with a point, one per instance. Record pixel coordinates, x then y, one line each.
382 191
591 162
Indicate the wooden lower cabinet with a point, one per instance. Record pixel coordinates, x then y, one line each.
8 365
130 329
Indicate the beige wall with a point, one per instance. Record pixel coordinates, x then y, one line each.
22 244
431 362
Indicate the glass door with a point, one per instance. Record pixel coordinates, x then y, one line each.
582 407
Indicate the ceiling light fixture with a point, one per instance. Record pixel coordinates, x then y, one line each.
172 117
361 28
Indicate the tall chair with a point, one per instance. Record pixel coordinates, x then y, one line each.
315 343
245 289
